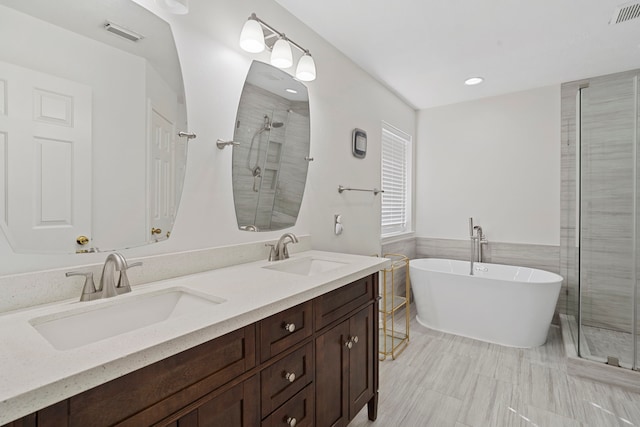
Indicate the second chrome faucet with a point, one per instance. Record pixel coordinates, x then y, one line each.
279 250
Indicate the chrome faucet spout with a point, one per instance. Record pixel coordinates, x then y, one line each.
113 263
281 251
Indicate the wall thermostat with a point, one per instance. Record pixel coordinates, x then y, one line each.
359 143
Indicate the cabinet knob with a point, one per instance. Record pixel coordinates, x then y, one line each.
291 422
289 327
290 376
355 339
349 344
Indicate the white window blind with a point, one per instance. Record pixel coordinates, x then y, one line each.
396 158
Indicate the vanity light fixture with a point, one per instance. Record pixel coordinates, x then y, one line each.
252 36
257 34
306 70
177 7
472 81
281 55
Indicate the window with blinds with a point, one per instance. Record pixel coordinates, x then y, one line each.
396 172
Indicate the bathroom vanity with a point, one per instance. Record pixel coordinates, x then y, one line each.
307 357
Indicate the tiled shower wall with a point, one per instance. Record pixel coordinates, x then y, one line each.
608 133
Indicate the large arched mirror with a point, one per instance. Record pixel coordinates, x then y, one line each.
271 161
91 103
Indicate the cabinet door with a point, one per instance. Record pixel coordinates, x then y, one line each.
28 421
235 407
52 416
332 364
362 357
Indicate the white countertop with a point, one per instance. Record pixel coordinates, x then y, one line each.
34 375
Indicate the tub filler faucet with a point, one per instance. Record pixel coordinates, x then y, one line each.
477 240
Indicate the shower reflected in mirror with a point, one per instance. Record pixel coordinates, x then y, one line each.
270 161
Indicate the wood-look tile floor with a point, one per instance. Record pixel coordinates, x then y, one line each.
445 380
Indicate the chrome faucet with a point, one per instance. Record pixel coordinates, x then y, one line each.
477 241
473 246
115 263
279 251
481 239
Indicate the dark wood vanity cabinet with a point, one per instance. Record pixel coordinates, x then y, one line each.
346 369
313 364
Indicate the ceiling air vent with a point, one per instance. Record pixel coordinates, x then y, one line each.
122 31
626 12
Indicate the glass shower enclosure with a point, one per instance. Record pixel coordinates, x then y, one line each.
600 216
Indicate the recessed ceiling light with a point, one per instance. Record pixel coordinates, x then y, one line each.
473 81
291 90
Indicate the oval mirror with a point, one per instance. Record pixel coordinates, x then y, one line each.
271 161
91 103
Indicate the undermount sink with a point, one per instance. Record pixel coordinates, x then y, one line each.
305 266
115 316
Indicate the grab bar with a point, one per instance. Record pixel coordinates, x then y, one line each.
375 191
187 135
222 143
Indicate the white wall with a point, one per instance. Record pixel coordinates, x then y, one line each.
496 160
214 67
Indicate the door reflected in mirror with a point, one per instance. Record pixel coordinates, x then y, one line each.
271 161
91 102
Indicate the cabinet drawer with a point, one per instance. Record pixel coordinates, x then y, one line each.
233 406
333 305
300 407
277 382
160 389
282 331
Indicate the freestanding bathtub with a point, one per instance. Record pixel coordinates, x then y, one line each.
501 304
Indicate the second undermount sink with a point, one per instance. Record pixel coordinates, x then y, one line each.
115 316
307 266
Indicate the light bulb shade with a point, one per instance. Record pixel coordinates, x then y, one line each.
306 69
252 37
178 7
281 56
